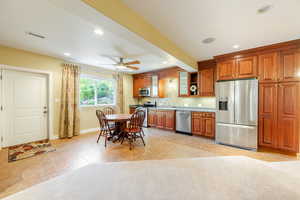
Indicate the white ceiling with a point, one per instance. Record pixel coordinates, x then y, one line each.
68 26
231 22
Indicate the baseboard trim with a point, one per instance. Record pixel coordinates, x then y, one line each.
89 130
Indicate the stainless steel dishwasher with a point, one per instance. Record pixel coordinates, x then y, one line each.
183 121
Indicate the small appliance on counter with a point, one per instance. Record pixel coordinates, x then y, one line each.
236 117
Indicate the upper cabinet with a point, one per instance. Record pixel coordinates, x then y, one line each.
268 68
154 86
226 70
289 65
239 68
183 84
140 82
206 82
246 67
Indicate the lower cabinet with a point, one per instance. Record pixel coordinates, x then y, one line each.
164 119
152 118
203 124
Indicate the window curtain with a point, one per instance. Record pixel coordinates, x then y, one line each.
69 114
119 78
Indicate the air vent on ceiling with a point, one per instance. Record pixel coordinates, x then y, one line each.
35 35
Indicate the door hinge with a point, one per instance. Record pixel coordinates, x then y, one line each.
0 76
1 108
1 138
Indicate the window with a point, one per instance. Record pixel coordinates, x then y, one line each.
95 91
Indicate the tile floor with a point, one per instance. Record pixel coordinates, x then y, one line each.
82 150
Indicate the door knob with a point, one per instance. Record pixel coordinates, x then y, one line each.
45 112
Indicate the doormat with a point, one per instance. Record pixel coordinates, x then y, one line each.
28 150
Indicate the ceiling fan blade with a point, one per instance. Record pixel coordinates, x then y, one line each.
132 67
133 63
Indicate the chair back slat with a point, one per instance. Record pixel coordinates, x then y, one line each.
108 111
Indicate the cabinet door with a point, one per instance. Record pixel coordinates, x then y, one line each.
226 70
197 123
246 67
288 116
290 65
136 86
206 82
154 86
268 115
268 67
161 119
170 120
183 88
152 118
209 127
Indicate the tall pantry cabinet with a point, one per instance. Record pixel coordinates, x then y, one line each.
279 100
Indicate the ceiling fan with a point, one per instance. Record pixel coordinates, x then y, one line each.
121 65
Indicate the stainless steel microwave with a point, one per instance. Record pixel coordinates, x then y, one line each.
144 92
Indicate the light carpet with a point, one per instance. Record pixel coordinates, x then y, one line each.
212 178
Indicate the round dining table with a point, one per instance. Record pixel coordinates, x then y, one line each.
120 121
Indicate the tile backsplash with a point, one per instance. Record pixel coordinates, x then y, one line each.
172 99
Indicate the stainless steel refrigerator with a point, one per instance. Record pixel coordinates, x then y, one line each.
236 117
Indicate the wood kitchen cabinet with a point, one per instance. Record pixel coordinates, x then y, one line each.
206 82
183 84
239 68
246 67
288 116
268 68
152 119
279 113
140 81
226 70
268 114
203 124
164 119
170 120
160 119
289 65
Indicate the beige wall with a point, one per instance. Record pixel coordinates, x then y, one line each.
172 99
20 58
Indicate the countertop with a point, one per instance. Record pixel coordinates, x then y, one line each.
199 109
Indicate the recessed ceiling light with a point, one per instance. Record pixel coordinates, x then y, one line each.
67 54
236 46
98 32
208 40
264 9
165 62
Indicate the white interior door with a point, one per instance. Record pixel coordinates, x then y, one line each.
25 107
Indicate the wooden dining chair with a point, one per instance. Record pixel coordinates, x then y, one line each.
134 128
137 109
105 129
